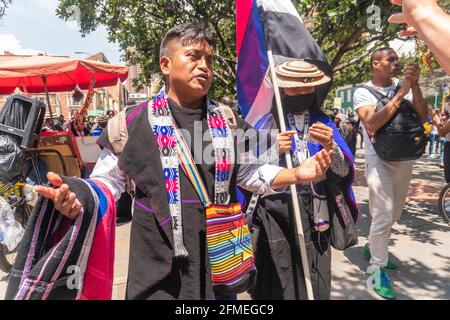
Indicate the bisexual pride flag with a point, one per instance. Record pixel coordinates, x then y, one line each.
270 24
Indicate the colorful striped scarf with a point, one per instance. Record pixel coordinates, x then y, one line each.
174 150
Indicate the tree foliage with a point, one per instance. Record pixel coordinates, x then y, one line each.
346 30
4 4
139 26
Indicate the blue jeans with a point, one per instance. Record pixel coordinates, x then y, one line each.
433 138
442 142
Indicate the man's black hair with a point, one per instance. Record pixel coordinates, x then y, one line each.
376 54
188 34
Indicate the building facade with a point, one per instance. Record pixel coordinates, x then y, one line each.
345 97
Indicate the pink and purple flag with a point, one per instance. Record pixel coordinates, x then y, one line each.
275 25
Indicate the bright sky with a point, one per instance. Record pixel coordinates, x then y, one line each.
31 26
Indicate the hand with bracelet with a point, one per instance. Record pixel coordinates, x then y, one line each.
323 134
411 77
313 168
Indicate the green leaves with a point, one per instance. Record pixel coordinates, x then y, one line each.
347 32
139 26
340 27
4 4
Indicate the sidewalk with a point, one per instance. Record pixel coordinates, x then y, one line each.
420 242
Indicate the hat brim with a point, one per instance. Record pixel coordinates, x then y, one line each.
288 82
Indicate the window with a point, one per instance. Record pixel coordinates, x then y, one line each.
43 98
72 102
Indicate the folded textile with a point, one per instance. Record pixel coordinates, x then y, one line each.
60 258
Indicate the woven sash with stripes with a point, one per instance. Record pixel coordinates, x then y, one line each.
301 123
228 238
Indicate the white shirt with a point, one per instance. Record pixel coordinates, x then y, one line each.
252 177
363 97
434 130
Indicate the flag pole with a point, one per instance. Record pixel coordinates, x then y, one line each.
295 203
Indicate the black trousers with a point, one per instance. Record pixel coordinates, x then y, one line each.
124 207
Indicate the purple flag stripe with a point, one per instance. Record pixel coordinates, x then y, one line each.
252 63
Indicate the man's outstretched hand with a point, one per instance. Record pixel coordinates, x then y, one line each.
312 169
64 200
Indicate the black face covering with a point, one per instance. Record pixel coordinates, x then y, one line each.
298 103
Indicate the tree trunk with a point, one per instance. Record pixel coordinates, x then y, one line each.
343 48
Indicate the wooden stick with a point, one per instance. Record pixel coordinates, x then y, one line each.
44 80
295 203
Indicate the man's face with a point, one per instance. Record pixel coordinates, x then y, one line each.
189 69
388 64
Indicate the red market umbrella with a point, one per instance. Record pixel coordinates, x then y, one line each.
62 74
44 74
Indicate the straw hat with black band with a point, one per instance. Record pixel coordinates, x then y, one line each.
299 73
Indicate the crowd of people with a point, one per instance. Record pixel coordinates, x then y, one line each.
190 238
90 125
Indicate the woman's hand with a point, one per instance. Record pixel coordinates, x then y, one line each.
323 134
284 141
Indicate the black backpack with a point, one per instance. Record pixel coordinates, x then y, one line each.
403 136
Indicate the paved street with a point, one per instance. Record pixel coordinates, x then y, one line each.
420 242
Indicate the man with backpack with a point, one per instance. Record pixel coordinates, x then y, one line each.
392 113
